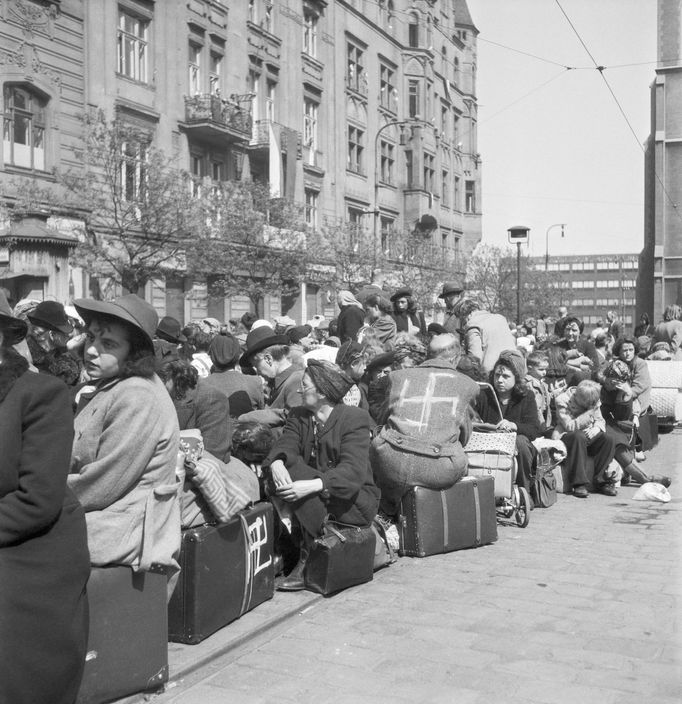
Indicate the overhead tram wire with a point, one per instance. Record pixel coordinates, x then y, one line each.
620 107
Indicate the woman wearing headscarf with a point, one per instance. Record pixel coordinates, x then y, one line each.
126 443
44 561
320 465
351 318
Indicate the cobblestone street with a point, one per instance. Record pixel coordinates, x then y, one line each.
581 606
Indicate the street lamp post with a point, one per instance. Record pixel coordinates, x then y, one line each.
518 235
562 225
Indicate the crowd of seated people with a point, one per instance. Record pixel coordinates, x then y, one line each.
336 417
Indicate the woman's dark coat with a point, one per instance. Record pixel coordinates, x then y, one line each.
44 560
340 458
350 320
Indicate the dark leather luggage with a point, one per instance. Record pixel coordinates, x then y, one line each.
341 558
128 635
462 516
226 570
648 431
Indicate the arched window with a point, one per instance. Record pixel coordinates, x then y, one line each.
23 140
413 30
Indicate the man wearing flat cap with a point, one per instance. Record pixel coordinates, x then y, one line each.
451 293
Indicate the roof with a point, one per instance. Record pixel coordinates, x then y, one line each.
36 230
462 15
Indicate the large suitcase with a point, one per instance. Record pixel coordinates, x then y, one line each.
127 642
226 570
462 516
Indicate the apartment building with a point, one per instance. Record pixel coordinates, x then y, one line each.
362 111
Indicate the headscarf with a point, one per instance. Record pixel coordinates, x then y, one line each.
346 298
329 380
617 370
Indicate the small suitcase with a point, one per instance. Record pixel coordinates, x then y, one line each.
462 516
226 570
127 642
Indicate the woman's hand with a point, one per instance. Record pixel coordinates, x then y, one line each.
280 474
506 426
299 489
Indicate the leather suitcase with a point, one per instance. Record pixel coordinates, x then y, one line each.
648 431
127 642
462 516
226 570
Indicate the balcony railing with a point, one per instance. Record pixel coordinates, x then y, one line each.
206 107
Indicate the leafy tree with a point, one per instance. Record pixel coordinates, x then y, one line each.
492 274
248 243
136 205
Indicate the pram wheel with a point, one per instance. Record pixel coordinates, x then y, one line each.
522 507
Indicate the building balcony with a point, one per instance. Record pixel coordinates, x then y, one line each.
211 117
263 131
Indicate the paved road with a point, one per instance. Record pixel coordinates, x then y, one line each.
582 606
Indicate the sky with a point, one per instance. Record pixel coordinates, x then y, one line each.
562 152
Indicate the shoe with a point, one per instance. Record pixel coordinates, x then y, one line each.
294 581
640 456
580 491
661 479
625 479
608 489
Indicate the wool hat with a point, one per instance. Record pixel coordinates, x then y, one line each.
332 341
515 360
436 329
450 287
130 309
329 380
52 316
224 350
169 329
403 292
13 329
261 338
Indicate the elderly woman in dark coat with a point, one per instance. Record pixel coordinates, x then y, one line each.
44 561
320 465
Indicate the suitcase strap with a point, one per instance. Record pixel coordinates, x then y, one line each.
248 570
477 511
446 528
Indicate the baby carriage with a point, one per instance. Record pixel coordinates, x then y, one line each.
493 453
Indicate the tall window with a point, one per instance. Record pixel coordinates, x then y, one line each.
253 85
356 149
387 162
271 88
24 129
310 109
455 126
470 196
355 78
413 30
214 71
444 121
134 170
387 226
409 167
413 98
356 228
309 33
429 171
445 188
267 16
456 71
387 88
457 195
194 68
132 46
311 207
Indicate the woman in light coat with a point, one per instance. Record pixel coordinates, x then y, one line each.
126 444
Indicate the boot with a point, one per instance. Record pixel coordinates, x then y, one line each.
295 580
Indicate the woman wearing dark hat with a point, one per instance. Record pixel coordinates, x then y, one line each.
44 562
405 313
244 391
47 340
126 444
320 465
519 410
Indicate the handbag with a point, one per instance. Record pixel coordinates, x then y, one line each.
543 488
342 557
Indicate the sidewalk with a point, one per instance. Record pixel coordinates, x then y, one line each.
581 606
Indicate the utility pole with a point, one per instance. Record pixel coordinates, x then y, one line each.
518 235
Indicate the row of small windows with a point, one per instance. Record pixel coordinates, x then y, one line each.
603 283
590 266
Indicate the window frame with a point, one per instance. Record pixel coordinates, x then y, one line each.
355 149
34 114
387 162
139 42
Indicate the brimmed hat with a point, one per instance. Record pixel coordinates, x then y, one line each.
451 287
382 360
260 339
13 329
129 308
51 315
403 292
169 329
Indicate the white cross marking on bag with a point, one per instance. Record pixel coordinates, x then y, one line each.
427 400
258 531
